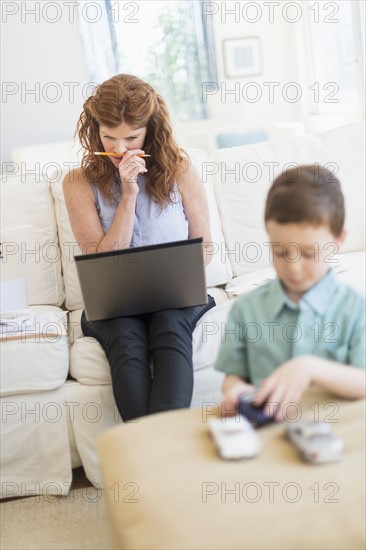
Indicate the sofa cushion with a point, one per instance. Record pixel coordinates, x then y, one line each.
27 200
92 410
69 248
350 269
57 155
242 177
218 271
89 364
35 363
74 328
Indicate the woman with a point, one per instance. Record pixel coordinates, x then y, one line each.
134 201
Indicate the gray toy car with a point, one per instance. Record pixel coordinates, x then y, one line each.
315 441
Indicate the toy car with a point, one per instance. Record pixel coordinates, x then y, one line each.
315 441
252 412
234 437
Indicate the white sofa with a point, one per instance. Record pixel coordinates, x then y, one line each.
56 394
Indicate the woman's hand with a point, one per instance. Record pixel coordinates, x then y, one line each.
130 166
285 385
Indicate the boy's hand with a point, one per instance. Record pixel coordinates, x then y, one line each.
231 397
286 385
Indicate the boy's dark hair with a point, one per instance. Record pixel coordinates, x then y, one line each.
310 194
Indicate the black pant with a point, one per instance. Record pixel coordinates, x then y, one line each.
130 343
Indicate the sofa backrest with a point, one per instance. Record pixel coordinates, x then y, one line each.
242 177
28 201
49 157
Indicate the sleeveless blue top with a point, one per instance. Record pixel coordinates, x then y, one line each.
152 225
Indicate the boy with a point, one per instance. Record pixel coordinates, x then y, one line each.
305 326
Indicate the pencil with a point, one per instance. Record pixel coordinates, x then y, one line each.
119 155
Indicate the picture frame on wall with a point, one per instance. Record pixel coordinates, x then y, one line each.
242 57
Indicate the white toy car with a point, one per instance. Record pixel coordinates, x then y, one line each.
315 441
234 437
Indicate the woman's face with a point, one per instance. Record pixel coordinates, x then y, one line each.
121 138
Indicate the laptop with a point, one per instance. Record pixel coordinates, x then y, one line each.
141 280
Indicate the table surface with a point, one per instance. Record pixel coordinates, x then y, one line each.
166 487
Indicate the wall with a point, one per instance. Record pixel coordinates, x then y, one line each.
258 101
246 103
279 65
36 53
40 52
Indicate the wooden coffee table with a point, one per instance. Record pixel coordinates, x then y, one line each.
166 488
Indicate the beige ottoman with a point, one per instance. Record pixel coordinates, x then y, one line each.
166 487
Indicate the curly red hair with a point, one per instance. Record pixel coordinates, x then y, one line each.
128 99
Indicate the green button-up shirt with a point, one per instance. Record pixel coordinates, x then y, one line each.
265 328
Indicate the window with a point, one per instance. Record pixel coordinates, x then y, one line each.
165 43
99 41
336 53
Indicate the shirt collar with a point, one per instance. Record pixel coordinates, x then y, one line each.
319 296
276 298
316 298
